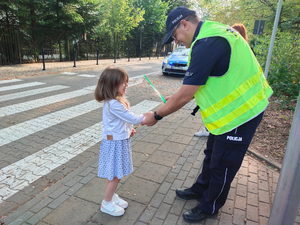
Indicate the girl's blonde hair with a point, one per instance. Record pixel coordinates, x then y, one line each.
108 84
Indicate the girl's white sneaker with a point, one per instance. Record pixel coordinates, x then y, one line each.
120 202
112 209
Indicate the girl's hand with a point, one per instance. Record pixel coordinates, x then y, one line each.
149 119
132 132
168 97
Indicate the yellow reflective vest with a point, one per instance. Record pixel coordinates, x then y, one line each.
239 95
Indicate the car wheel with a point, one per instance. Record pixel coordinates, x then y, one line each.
165 73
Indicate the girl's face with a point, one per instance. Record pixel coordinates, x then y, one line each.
122 88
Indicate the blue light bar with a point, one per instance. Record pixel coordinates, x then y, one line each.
170 63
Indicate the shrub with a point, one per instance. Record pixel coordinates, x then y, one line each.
284 70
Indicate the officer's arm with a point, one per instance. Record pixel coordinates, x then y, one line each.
178 100
175 102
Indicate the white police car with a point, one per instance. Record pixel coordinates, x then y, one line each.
176 62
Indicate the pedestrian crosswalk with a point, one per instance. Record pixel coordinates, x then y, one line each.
18 131
87 75
9 81
20 173
21 107
24 94
14 87
80 75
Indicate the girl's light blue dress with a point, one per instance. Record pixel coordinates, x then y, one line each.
115 152
115 159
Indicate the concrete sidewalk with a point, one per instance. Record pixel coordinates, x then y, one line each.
36 69
165 157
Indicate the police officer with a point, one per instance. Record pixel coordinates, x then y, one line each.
229 87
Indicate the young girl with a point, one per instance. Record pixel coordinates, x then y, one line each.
115 152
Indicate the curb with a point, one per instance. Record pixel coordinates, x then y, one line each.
262 158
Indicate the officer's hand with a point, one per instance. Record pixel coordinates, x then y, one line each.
149 119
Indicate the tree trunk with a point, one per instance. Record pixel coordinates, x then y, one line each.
68 44
60 55
33 29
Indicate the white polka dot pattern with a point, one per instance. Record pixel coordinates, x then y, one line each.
115 159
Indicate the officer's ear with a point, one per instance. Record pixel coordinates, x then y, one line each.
184 24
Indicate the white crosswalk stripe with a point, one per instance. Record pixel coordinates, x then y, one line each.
69 73
31 92
87 75
9 81
20 174
14 87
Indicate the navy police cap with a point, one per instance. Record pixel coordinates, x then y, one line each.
174 17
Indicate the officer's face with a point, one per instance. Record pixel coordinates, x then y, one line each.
181 34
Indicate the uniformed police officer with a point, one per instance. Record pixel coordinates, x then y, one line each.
229 87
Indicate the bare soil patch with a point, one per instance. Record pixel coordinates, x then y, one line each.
270 139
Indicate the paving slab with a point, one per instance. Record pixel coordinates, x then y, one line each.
73 211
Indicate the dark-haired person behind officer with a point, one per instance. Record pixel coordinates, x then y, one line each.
230 88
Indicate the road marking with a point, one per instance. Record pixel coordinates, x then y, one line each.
18 131
25 106
31 92
147 74
13 87
20 174
86 75
69 73
9 81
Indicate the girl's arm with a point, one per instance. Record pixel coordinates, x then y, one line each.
117 109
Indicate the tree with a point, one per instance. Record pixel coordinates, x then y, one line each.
120 17
153 24
284 71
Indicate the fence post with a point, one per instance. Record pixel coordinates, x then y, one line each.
74 57
149 54
97 55
128 54
115 55
43 55
140 54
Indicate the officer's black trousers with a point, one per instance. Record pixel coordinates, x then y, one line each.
224 155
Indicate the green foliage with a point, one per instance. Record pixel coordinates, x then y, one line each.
284 71
120 17
151 30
